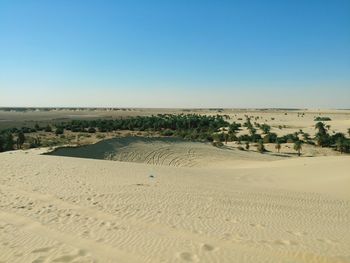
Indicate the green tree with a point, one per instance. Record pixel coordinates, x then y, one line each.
219 137
270 137
265 128
322 140
91 130
2 142
252 130
320 126
341 145
8 142
59 130
306 136
48 128
298 146
322 137
234 127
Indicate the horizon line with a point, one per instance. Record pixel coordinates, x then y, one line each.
177 108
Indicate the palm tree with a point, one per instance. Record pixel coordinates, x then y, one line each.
298 146
265 128
306 136
20 140
234 127
322 137
278 146
320 126
226 137
261 147
252 130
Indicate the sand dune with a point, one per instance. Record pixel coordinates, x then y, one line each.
162 151
62 209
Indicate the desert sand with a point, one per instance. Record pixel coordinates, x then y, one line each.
205 209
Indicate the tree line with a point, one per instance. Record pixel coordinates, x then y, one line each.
214 129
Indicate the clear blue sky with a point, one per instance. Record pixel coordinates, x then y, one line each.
247 53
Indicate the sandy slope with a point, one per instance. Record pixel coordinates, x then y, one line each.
164 151
60 209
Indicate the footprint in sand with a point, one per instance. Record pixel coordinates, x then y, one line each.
285 242
70 258
299 234
189 257
42 250
226 236
39 260
85 234
258 225
232 220
208 247
327 241
65 258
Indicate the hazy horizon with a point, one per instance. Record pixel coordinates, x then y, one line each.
183 54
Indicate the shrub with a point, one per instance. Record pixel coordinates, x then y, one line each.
217 144
255 137
8 142
2 142
265 128
48 128
34 142
100 136
290 138
59 131
270 137
322 119
232 137
91 130
167 132
219 137
343 145
234 127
